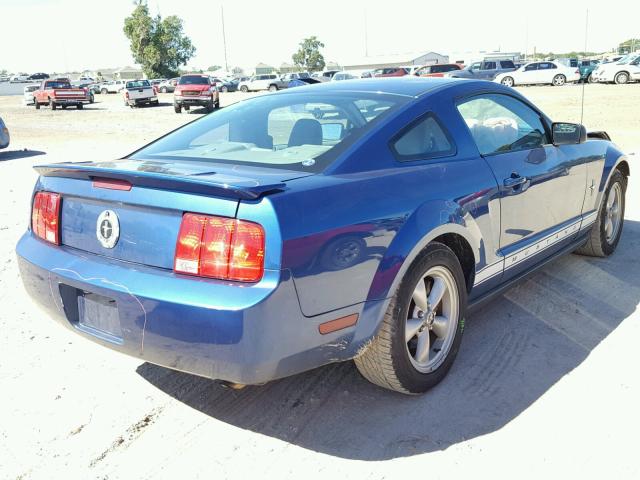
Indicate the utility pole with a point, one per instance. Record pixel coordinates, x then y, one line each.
366 34
224 40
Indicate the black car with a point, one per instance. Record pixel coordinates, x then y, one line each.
38 76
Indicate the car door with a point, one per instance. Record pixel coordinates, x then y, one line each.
541 186
529 74
634 68
488 70
546 72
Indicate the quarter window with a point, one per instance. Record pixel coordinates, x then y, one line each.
424 139
500 123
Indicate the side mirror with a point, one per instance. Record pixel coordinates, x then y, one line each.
568 133
332 131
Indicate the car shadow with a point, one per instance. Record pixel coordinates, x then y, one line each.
514 350
17 154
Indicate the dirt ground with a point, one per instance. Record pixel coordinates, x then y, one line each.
545 385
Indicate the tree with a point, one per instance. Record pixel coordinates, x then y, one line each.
308 55
158 45
213 68
629 46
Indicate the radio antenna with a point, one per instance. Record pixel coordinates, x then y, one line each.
586 33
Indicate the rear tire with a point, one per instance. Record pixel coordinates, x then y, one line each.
177 108
393 360
273 88
163 89
80 106
559 80
621 78
590 79
104 91
224 89
244 89
606 231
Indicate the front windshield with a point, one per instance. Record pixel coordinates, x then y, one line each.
193 80
626 59
292 131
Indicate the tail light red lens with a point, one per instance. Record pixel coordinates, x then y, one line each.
45 215
220 247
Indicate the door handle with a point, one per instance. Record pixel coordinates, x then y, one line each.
514 181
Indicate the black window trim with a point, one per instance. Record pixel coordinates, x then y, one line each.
452 152
543 119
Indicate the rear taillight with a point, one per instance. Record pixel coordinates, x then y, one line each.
220 247
45 215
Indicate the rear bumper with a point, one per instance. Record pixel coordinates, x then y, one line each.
142 101
244 334
70 101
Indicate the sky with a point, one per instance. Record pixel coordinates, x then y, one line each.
36 38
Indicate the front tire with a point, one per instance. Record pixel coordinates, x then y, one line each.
606 231
508 81
559 80
36 104
590 79
422 328
177 108
163 89
224 89
244 89
104 91
80 106
52 104
273 88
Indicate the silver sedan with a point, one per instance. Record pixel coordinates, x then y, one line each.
4 135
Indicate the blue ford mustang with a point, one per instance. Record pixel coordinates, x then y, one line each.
347 220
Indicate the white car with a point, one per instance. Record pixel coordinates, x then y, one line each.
27 96
112 87
343 76
551 73
258 82
624 70
19 78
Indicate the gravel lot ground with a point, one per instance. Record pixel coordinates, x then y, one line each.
545 386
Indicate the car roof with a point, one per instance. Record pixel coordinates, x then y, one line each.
407 86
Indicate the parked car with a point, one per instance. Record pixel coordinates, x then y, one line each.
258 82
38 76
339 76
320 224
285 80
484 70
325 76
4 135
114 86
229 85
139 92
437 70
195 91
59 93
549 73
625 70
19 78
4 78
586 68
168 86
390 72
27 95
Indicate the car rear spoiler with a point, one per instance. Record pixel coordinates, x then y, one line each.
163 181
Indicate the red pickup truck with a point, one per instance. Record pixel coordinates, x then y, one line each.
59 93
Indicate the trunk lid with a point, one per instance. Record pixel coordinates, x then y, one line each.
148 199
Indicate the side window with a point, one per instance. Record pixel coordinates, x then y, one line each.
507 64
531 66
500 123
424 139
489 66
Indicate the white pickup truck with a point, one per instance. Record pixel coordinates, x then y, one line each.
139 92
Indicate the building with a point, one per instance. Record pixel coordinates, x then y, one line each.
288 68
264 69
469 57
128 73
395 60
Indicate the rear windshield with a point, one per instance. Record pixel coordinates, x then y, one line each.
58 85
303 132
193 80
138 84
